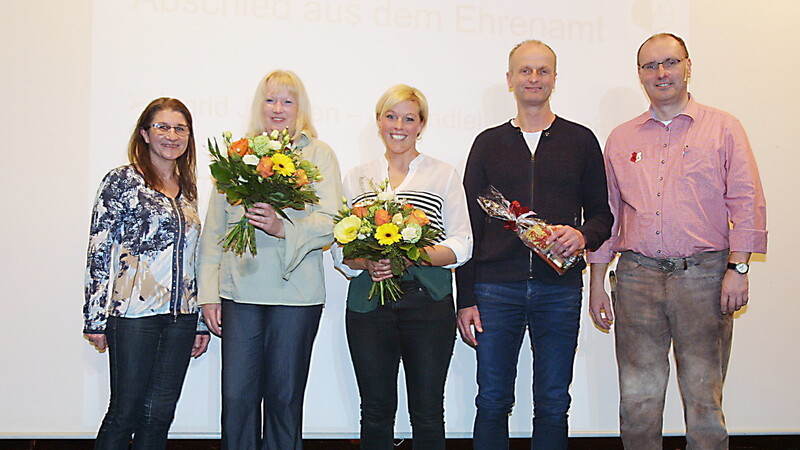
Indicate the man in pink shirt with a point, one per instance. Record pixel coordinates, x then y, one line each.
689 210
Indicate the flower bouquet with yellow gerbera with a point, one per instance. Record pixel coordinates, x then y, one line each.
265 168
381 227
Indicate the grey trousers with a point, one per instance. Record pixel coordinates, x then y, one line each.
656 308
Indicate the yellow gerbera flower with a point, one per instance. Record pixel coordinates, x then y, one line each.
282 164
387 234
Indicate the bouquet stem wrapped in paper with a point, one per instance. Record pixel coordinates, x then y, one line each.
532 231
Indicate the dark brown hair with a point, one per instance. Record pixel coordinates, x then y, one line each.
139 150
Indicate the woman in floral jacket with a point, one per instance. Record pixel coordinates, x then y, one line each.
141 291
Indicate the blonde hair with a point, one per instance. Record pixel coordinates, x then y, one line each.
282 79
400 93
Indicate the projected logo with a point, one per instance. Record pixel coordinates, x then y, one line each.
653 15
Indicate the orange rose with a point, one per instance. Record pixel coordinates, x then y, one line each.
360 211
381 217
302 178
240 147
264 167
418 217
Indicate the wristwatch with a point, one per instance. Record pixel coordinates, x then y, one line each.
741 267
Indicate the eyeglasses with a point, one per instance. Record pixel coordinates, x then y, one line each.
163 129
668 63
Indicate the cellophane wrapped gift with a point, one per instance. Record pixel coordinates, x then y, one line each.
533 231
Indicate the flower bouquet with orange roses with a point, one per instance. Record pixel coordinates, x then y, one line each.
382 227
265 168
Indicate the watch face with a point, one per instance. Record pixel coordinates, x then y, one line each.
740 267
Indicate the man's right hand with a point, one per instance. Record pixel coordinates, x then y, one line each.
467 318
212 314
600 307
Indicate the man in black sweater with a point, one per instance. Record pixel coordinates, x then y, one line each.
556 168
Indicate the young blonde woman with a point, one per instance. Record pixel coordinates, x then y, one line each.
419 328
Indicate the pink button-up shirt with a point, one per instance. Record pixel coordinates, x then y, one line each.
686 187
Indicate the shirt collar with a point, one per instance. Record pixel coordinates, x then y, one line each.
513 123
690 110
303 141
412 167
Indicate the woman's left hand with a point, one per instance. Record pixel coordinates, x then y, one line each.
264 217
200 344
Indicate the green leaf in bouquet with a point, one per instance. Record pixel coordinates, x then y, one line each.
220 173
413 253
423 255
374 246
233 196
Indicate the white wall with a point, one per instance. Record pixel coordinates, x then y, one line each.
76 75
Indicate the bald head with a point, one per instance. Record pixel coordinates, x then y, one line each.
530 42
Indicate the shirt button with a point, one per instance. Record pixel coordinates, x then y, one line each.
658 213
658 251
658 232
663 162
666 128
658 194
665 145
660 178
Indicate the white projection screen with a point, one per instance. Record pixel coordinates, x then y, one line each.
78 73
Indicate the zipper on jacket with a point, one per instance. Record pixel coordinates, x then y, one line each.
177 261
530 202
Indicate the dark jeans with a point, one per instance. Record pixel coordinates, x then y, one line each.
421 332
148 358
551 314
266 353
655 309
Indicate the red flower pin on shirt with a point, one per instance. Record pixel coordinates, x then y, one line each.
636 157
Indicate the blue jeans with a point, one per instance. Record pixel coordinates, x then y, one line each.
551 314
266 353
148 358
419 331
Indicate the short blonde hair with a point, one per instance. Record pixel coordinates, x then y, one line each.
288 80
400 93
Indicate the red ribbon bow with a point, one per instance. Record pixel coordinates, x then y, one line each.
518 210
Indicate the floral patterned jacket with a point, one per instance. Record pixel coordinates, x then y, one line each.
141 257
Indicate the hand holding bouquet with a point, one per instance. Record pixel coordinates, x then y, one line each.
381 227
533 232
267 169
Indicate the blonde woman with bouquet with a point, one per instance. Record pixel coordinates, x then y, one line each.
267 307
141 293
418 327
